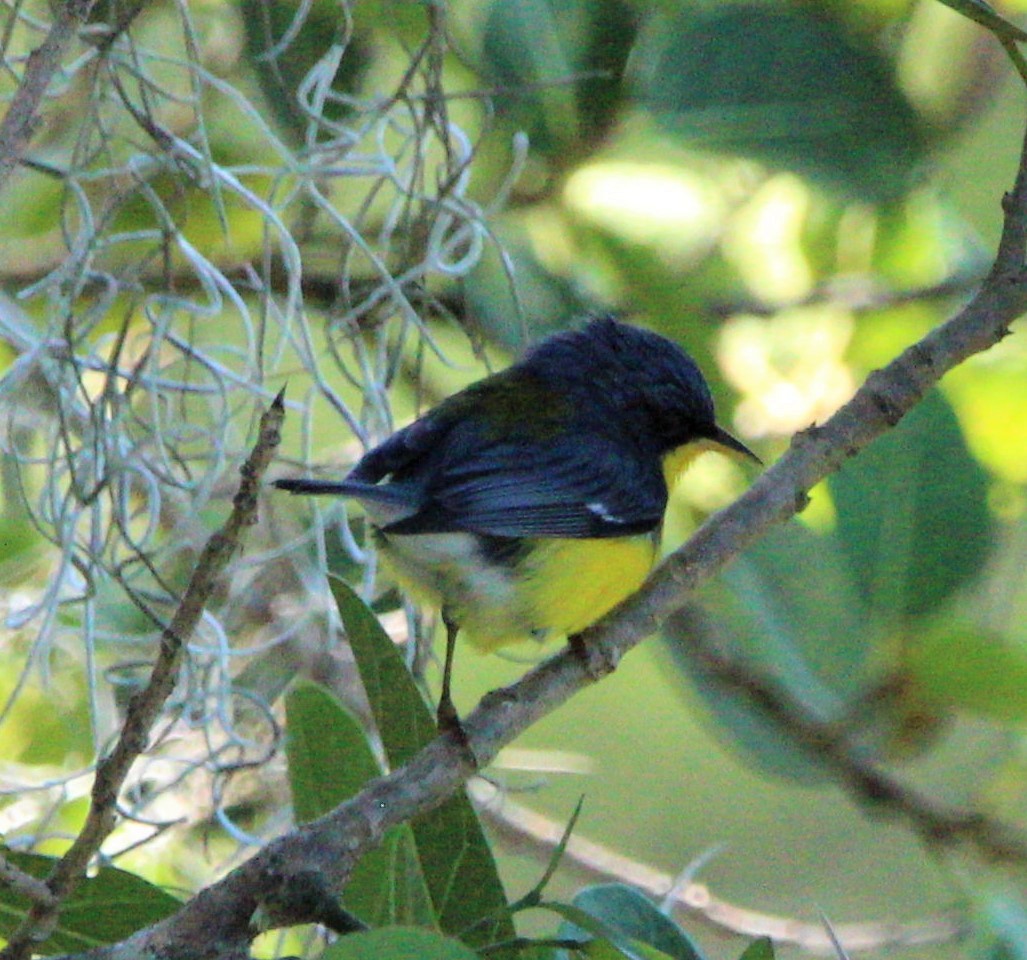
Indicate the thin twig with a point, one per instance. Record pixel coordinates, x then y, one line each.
521 826
25 884
146 705
22 117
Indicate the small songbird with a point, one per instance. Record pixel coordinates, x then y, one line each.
530 503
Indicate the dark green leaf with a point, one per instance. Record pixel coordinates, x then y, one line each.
557 65
785 84
398 943
761 949
328 753
912 514
104 908
625 915
454 857
403 720
329 762
284 40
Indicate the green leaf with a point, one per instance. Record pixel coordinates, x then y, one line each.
625 916
556 66
102 910
760 949
986 15
403 720
455 860
810 634
912 514
955 665
330 760
328 753
398 943
785 84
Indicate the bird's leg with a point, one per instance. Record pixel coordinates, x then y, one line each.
448 719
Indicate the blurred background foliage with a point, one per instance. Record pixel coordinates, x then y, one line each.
228 196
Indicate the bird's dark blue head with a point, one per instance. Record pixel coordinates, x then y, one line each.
636 378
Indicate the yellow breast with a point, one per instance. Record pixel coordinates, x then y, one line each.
555 587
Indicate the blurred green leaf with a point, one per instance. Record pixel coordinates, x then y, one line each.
810 633
625 918
986 15
397 943
103 909
912 514
556 66
454 856
1002 916
545 301
785 84
267 675
955 665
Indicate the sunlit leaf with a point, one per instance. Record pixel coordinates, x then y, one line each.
986 15
955 665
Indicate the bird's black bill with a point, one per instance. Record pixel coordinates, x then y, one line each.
727 442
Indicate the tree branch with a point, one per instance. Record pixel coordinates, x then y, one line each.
22 116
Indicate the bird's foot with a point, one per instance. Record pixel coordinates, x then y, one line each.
451 725
597 662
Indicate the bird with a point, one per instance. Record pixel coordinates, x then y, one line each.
530 503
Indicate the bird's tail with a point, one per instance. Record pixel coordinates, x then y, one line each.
374 493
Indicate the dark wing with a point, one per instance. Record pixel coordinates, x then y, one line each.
582 484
